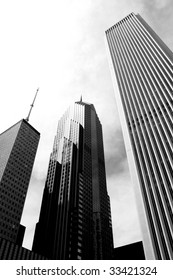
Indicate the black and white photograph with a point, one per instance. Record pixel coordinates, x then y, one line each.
86 131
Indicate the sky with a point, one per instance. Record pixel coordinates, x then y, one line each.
59 46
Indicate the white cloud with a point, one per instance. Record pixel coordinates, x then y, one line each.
159 4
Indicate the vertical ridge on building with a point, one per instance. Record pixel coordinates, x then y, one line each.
142 72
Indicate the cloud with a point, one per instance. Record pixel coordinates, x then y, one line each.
115 154
158 14
156 5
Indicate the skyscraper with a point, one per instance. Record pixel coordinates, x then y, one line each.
18 146
142 67
75 218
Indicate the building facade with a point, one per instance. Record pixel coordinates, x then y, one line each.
75 218
142 73
12 251
18 146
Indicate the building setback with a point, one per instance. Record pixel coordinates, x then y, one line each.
18 146
75 218
142 68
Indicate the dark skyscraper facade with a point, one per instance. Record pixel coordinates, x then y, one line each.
75 218
18 146
142 71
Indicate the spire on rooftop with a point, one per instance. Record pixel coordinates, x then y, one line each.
32 105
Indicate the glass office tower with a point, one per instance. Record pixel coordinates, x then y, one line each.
18 146
75 218
142 72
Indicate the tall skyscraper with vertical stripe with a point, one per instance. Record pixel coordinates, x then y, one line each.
142 72
75 218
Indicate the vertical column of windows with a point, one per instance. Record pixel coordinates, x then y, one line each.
132 104
147 84
156 77
78 113
126 73
155 46
147 134
57 149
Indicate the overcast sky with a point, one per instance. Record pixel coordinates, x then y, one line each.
58 46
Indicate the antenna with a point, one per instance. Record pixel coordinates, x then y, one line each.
81 98
32 105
